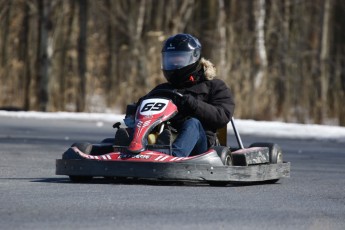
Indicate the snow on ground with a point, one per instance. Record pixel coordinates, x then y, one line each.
261 128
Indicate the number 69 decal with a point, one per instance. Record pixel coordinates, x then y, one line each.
153 106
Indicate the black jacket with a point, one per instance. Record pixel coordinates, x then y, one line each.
210 101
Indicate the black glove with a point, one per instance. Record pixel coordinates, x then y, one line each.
186 104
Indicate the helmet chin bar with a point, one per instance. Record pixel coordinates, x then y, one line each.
180 78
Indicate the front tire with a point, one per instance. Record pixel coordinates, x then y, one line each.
86 148
108 140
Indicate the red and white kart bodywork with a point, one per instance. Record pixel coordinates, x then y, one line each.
218 165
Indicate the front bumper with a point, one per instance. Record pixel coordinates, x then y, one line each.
172 171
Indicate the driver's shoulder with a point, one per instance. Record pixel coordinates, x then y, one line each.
217 85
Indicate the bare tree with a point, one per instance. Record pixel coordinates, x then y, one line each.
5 35
324 59
44 53
24 55
282 59
221 24
82 45
65 44
110 87
260 15
181 16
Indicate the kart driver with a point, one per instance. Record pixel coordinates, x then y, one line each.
207 103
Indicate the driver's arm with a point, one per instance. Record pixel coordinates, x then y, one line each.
217 111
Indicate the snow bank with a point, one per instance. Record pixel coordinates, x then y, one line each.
262 128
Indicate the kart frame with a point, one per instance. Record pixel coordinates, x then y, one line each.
254 167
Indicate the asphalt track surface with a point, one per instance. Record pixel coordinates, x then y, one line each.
33 197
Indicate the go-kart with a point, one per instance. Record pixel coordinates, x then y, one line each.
140 154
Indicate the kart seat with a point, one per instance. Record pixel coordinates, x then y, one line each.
222 136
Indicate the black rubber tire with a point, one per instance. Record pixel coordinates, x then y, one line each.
225 155
275 155
85 147
275 152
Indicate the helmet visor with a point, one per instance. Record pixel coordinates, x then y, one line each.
176 60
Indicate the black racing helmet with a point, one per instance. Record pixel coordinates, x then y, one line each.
181 56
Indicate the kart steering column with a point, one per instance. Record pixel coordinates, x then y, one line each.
238 138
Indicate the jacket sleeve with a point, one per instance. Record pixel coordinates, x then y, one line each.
217 111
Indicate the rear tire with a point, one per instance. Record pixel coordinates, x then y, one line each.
224 154
275 155
275 152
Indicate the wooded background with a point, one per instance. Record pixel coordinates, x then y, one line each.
283 59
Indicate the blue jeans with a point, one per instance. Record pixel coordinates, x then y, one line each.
191 139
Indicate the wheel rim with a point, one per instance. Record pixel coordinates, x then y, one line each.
228 160
279 157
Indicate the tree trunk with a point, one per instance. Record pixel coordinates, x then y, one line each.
5 35
65 44
110 87
82 67
221 24
184 12
44 53
24 56
324 61
284 86
260 15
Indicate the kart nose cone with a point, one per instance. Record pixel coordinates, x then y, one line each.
136 147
